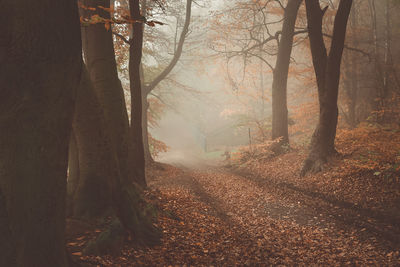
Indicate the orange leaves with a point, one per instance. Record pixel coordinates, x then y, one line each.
373 148
77 253
109 10
94 19
107 26
156 146
119 16
216 218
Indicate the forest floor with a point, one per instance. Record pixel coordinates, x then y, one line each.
261 213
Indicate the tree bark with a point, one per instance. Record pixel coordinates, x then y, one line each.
117 160
135 58
280 75
73 173
101 186
99 55
327 71
97 166
145 127
353 90
145 104
39 73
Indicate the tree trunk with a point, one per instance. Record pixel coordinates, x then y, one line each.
126 199
135 58
353 94
73 173
39 73
280 76
99 54
145 104
146 89
145 127
101 185
92 197
327 71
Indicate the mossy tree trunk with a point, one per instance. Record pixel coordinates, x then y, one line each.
99 55
102 134
73 173
40 52
92 197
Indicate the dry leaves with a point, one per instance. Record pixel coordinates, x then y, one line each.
267 215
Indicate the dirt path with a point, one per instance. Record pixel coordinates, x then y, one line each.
278 224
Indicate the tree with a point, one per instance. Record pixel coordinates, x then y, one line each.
150 86
280 74
96 163
102 162
135 59
100 60
327 72
259 38
39 74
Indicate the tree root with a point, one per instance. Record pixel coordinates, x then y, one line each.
137 218
313 165
110 241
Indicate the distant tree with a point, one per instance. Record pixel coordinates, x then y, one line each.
327 72
255 35
148 87
40 69
155 44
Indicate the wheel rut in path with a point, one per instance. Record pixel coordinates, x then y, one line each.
187 181
344 215
276 221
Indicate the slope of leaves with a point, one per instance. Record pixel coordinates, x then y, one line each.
366 173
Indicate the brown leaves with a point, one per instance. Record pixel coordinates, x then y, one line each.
218 218
118 16
107 26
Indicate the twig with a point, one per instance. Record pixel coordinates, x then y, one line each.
120 36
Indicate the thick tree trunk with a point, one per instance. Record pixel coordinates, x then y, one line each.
135 58
96 163
279 84
73 173
100 185
99 54
110 144
327 71
39 73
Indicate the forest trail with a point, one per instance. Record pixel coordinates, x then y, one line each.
263 222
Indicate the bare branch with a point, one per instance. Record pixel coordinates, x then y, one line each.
120 36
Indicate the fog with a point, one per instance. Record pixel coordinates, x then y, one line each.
211 105
218 99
